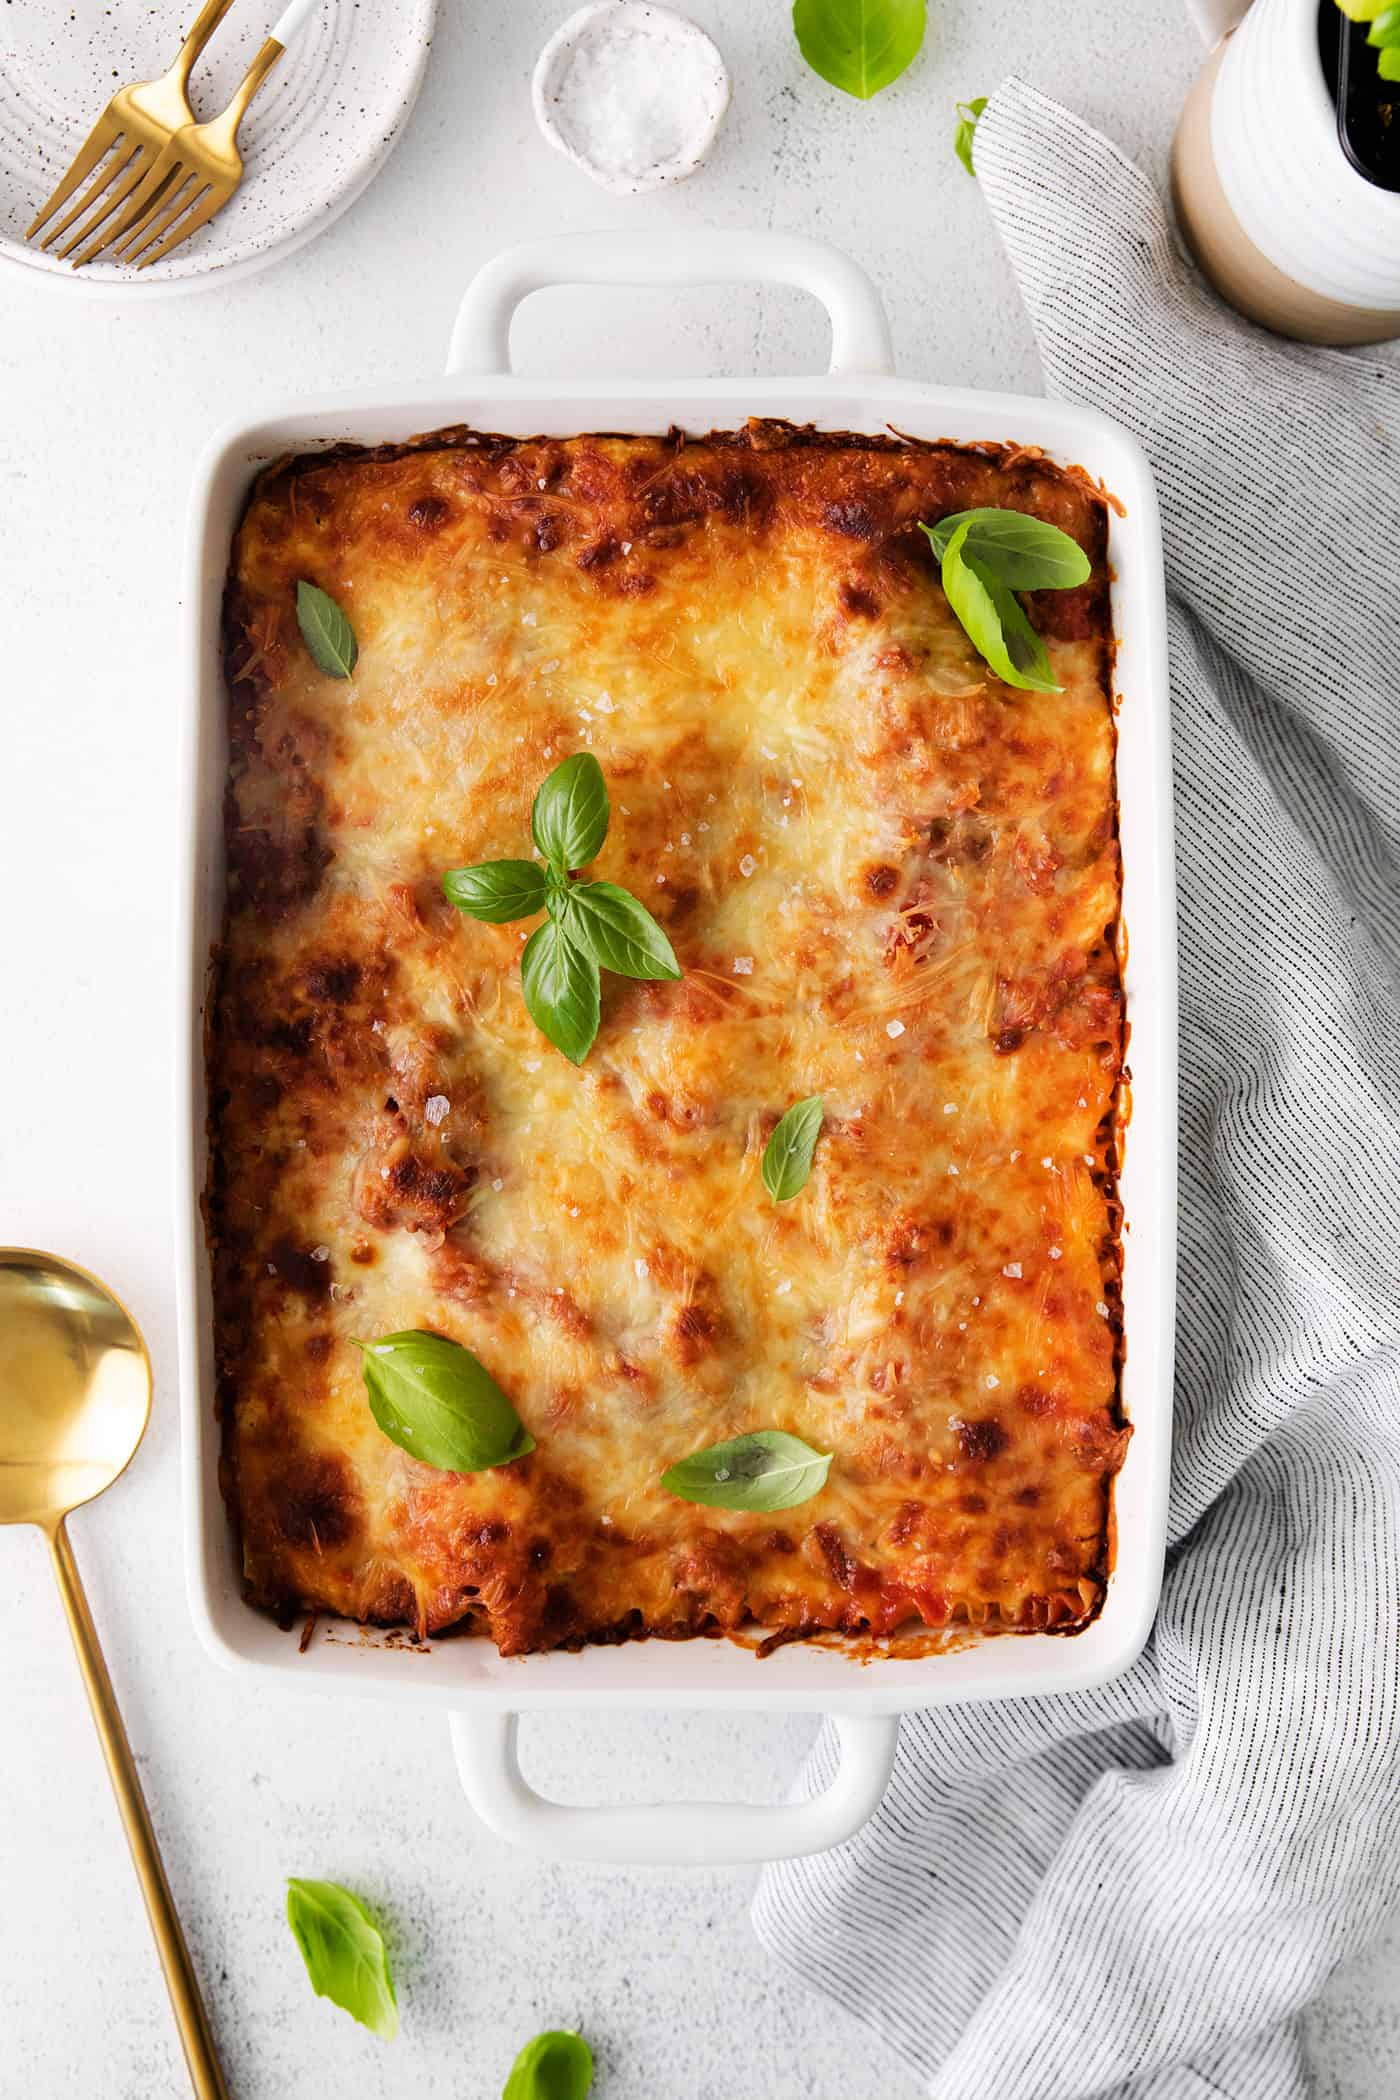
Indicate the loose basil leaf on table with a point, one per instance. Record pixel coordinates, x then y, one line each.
344 1953
618 932
497 890
1025 553
434 1400
554 2066
765 1470
787 1157
968 113
859 46
569 819
326 632
561 988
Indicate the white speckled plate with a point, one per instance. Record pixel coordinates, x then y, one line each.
328 116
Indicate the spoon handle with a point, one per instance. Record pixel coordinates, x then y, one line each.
190 2017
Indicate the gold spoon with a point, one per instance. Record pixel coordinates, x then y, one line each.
75 1395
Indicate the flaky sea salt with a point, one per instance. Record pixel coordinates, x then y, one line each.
435 1108
991 1381
747 865
1012 1268
743 966
894 1029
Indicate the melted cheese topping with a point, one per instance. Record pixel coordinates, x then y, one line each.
891 881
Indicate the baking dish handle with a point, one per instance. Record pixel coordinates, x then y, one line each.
664 1833
860 334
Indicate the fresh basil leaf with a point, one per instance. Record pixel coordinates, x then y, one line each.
1025 553
860 46
1385 30
787 1157
434 1400
570 816
766 1470
344 1953
560 983
554 2066
968 113
497 890
1029 656
618 932
994 621
1388 63
326 632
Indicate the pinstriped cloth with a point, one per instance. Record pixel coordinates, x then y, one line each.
1131 1893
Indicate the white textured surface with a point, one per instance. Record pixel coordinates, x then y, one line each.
101 413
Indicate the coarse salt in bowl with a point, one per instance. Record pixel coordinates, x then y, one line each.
632 94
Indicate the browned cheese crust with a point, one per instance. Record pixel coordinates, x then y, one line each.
891 880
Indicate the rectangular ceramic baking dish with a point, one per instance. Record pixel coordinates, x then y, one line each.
481 1691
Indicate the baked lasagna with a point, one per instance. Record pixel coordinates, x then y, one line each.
890 880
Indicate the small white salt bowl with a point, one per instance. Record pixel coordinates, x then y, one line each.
632 94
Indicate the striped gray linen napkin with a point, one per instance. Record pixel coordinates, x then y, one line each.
1131 1893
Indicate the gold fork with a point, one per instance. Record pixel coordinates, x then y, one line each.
198 171
138 121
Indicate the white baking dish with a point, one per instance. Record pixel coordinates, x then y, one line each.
481 1691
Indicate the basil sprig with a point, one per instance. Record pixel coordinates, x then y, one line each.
968 113
1383 35
989 555
787 1157
344 1953
592 926
326 632
860 46
434 1400
765 1470
554 2066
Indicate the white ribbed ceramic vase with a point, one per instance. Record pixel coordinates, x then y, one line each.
1279 219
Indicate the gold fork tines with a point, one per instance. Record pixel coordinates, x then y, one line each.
126 140
197 171
192 179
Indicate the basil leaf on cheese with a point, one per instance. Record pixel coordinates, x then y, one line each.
434 1400
497 890
994 621
591 926
326 632
569 819
1023 552
344 1953
765 1470
554 2066
618 932
787 1157
560 983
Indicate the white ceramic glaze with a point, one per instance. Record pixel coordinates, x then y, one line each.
467 1677
330 114
1273 137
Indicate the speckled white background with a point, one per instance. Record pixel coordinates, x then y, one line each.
102 409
